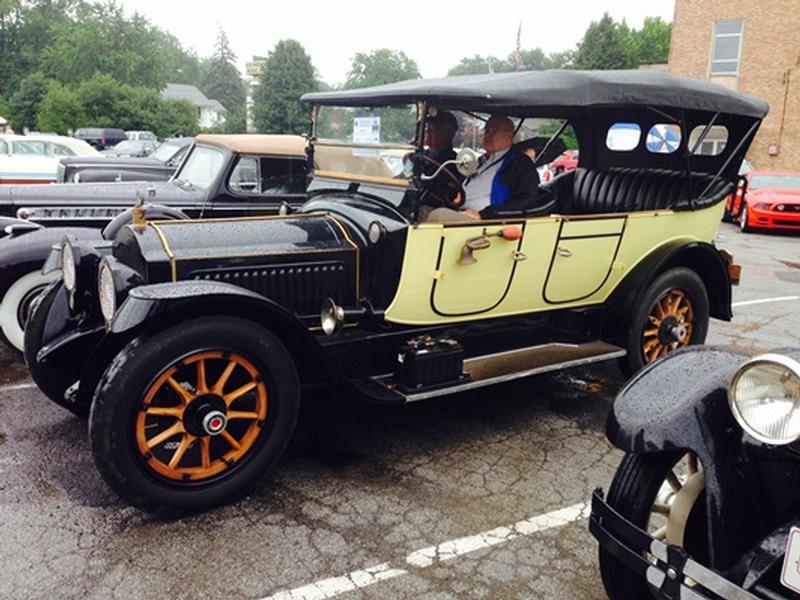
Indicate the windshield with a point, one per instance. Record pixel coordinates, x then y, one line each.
775 181
365 143
202 166
165 151
128 146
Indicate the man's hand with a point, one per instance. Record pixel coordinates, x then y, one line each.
472 214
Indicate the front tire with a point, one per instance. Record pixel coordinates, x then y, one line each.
16 305
744 226
51 382
192 417
661 494
671 313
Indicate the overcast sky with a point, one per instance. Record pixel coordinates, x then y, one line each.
434 34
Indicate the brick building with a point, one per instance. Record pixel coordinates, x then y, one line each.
752 46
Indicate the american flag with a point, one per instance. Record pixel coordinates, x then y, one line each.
517 60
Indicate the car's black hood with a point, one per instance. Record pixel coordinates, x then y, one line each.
121 193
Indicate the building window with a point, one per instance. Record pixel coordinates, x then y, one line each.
727 47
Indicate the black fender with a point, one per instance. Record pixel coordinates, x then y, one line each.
152 212
161 305
680 403
27 253
701 257
14 227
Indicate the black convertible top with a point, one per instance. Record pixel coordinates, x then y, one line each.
553 92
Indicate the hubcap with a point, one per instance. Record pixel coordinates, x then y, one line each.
669 325
201 416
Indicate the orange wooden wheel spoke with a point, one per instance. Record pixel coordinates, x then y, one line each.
205 452
654 320
229 398
165 435
186 441
165 411
186 395
219 387
651 344
651 332
230 439
235 414
202 387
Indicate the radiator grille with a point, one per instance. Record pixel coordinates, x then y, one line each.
300 288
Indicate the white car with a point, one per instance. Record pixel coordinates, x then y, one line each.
35 158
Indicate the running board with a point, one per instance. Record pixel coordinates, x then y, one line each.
516 364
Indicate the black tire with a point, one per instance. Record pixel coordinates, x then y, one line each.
118 401
51 382
727 217
632 493
743 216
680 280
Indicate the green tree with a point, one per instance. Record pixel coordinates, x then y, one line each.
379 67
287 75
652 41
477 65
603 47
532 59
60 110
563 60
222 80
24 103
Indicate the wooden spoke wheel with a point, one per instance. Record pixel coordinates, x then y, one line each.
192 416
201 416
671 324
670 313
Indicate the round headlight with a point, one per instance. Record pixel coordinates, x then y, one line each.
68 268
106 292
765 398
375 232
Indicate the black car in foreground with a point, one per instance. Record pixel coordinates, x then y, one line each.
186 341
222 176
158 166
706 501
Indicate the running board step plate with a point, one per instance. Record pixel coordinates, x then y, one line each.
508 366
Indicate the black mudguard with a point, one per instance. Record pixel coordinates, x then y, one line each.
680 403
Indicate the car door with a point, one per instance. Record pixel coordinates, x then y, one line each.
583 257
257 185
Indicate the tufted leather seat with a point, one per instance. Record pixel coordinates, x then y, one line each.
585 191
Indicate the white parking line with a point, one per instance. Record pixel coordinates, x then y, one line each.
17 386
765 300
426 557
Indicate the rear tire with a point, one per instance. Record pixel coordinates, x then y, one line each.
676 298
135 403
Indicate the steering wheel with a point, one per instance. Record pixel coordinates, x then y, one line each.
453 195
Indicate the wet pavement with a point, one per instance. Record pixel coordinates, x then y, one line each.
368 502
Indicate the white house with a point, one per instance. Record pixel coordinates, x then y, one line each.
209 112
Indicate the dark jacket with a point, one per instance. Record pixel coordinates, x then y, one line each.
442 188
515 187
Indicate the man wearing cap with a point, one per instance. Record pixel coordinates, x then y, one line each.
506 181
440 129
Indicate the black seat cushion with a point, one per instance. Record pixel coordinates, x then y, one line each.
585 191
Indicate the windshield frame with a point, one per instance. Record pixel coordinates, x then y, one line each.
415 148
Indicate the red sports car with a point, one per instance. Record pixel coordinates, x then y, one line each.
567 161
771 201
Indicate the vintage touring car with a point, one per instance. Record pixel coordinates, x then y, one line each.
189 340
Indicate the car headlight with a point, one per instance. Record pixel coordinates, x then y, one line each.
69 270
765 398
106 291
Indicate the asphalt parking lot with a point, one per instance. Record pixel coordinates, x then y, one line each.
476 496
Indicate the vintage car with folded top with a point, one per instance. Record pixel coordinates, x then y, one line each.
189 340
158 166
706 501
223 176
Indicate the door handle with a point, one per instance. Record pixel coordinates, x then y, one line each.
565 252
480 242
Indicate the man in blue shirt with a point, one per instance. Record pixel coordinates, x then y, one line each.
506 181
